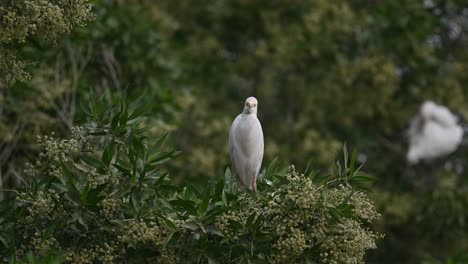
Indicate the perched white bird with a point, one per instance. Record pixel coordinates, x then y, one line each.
433 133
246 145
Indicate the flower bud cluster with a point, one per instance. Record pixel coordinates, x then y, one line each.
106 253
24 20
224 223
94 178
363 207
299 218
168 257
109 207
294 211
56 152
40 245
40 205
347 242
292 245
137 233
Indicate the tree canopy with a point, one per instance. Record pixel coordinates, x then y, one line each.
324 72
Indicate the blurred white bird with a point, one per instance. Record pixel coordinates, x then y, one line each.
433 133
246 145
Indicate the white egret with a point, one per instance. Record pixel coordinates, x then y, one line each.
433 133
246 145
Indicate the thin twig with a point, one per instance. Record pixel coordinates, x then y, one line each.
7 190
328 183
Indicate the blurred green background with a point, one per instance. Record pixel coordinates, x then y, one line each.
324 72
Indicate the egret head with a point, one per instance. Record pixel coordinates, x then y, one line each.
438 114
427 110
250 106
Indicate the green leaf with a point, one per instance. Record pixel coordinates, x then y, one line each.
364 188
185 205
123 167
225 201
135 201
189 191
352 163
345 156
4 241
204 203
160 179
81 167
362 178
250 219
320 179
191 225
271 169
72 193
13 257
339 170
162 157
158 143
115 123
215 231
108 154
98 133
334 213
307 167
168 239
314 250
94 196
60 186
227 175
137 144
52 227
92 162
219 187
84 194
137 113
124 114
170 224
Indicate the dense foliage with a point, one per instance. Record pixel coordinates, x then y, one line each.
101 196
26 29
325 72
34 21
